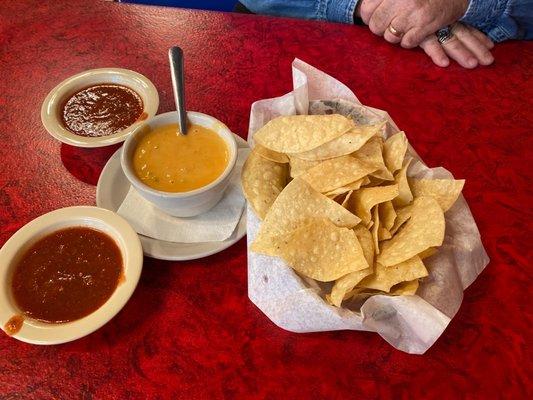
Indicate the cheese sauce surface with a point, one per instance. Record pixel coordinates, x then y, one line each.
170 162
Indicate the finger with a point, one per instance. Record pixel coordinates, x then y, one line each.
473 44
456 50
416 34
481 37
390 37
380 19
367 9
434 50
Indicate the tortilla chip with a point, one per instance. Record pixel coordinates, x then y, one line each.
427 253
336 172
387 215
394 150
375 229
402 216
299 133
262 181
367 243
384 278
319 250
371 152
445 191
271 154
345 284
343 145
299 167
343 189
364 199
405 196
424 229
383 233
407 288
297 205
347 198
373 181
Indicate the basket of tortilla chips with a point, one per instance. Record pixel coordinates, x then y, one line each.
348 228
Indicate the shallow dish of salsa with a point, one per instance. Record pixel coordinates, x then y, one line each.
99 107
67 273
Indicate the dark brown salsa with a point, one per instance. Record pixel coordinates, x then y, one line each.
67 275
102 110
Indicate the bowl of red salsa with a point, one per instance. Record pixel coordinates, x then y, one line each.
67 273
99 107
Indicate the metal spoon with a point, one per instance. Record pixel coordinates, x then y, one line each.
175 56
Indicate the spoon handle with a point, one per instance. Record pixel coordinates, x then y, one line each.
175 56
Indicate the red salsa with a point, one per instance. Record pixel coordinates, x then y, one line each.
67 275
102 110
14 325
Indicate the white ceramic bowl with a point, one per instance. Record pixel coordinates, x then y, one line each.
183 204
52 106
37 332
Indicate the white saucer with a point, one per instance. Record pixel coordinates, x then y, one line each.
111 190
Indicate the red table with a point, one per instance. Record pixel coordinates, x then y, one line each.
189 331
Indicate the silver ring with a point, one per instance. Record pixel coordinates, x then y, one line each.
444 34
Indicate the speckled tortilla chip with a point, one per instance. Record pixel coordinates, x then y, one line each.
424 229
394 150
319 250
345 284
383 233
349 142
400 178
336 172
384 278
445 191
297 205
262 181
299 133
407 288
364 199
387 215
271 154
402 215
347 198
347 188
371 152
299 167
367 243
375 229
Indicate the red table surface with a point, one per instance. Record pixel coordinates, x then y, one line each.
189 330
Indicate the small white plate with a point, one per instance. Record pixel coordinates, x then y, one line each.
53 103
112 188
37 332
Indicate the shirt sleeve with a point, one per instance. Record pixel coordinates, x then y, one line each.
501 19
341 10
330 10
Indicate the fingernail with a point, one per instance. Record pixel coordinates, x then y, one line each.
489 60
443 62
471 63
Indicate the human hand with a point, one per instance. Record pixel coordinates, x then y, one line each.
468 46
409 21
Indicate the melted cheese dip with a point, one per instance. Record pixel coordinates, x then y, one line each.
167 161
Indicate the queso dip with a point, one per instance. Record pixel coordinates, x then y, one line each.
167 161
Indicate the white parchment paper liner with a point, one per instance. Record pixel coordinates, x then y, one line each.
409 323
